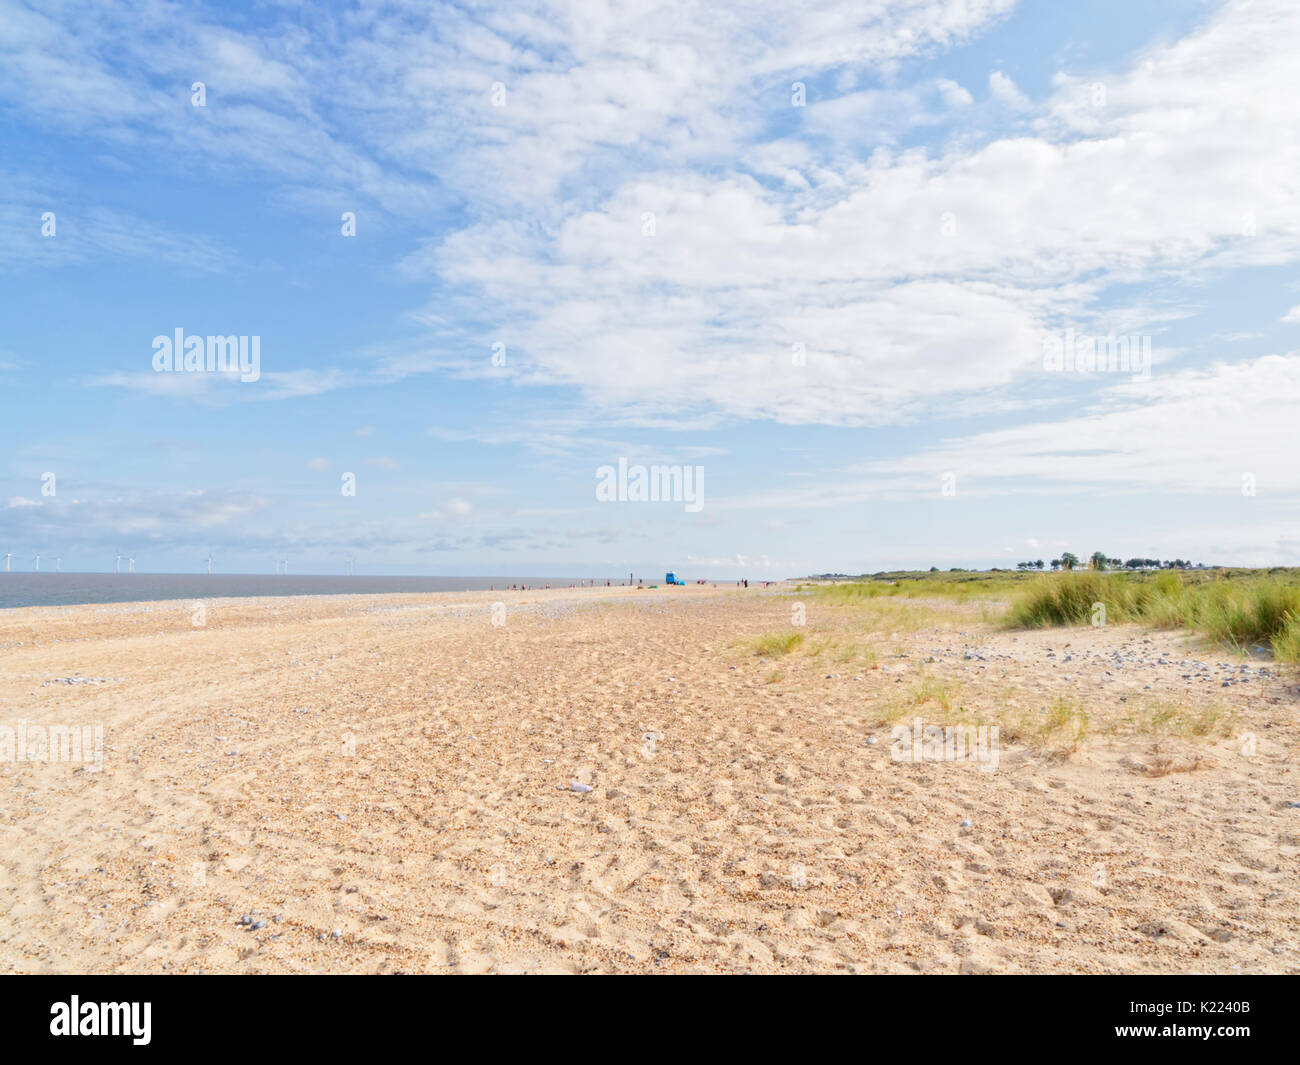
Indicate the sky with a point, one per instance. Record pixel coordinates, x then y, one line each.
827 257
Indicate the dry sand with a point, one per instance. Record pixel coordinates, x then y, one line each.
382 784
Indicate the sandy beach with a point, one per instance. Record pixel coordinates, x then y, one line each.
386 784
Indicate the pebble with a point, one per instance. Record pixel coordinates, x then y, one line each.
582 789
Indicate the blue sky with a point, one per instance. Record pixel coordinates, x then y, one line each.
956 185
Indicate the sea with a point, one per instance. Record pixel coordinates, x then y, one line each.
70 589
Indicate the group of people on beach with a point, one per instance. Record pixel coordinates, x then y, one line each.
524 587
608 584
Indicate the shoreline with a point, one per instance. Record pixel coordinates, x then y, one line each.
162 588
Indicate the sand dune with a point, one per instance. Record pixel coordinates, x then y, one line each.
385 784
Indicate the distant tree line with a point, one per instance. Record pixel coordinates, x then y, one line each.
1099 560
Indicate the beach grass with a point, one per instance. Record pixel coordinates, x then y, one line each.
775 644
1060 729
1240 613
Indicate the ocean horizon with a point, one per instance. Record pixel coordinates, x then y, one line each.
76 589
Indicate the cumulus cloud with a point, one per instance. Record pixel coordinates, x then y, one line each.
911 280
855 290
1004 91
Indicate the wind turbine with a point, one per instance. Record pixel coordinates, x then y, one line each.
57 560
117 564
350 561
130 565
8 556
38 563
286 566
209 563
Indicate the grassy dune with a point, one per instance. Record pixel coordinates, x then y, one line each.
1242 613
1242 608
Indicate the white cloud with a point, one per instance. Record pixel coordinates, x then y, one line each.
1195 431
585 86
1004 91
954 95
911 280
